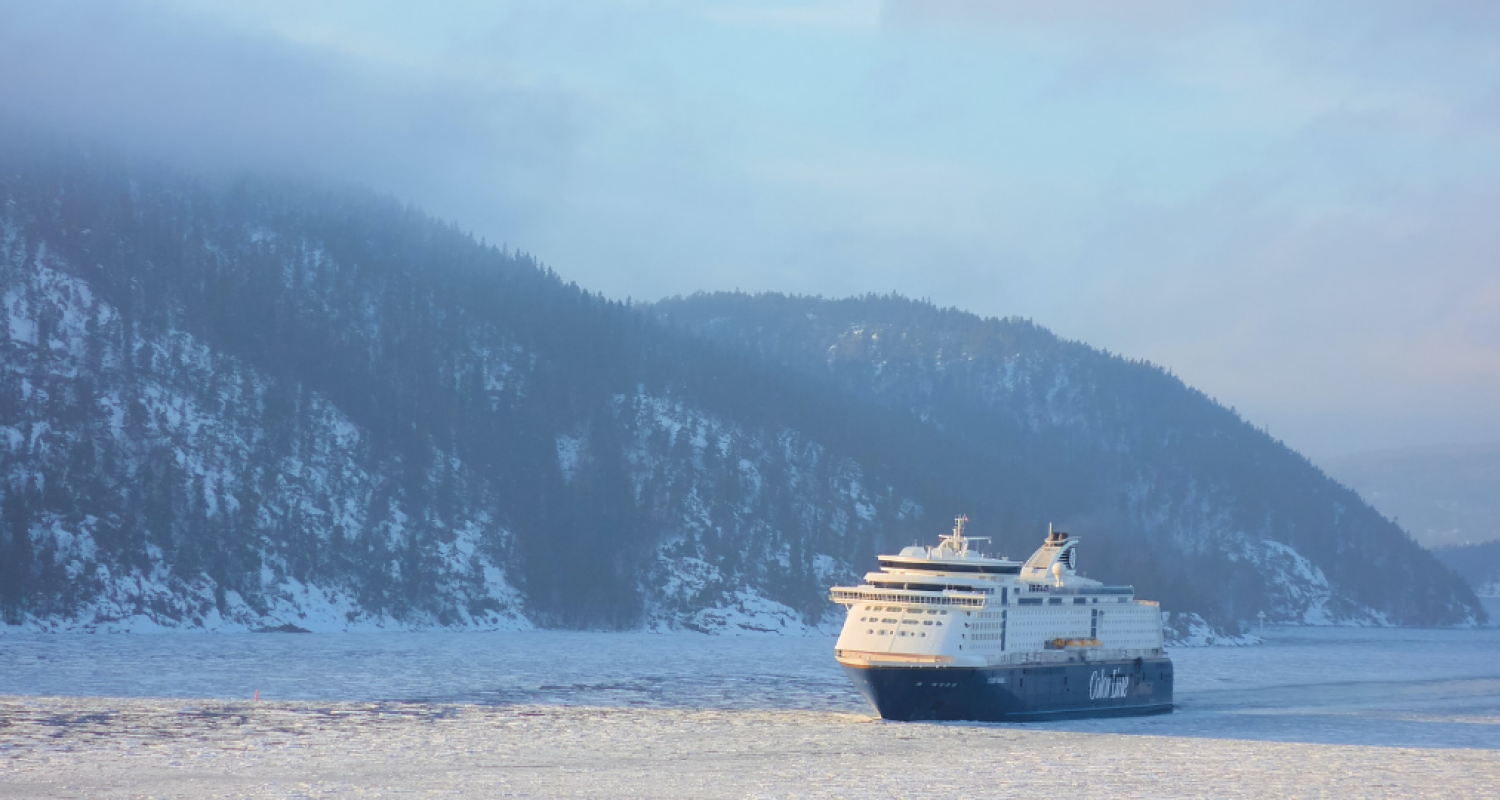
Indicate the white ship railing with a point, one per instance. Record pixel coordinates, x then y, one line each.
845 596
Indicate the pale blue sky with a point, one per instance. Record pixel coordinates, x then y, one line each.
1291 205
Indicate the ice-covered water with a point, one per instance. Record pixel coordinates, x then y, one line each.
542 667
1427 687
1323 709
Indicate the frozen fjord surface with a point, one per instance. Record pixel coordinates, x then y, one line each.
1314 711
1372 686
680 670
106 747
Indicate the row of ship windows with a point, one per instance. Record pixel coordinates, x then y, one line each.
981 614
889 621
884 632
1118 625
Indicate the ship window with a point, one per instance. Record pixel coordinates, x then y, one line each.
872 630
926 622
940 624
1078 601
1056 601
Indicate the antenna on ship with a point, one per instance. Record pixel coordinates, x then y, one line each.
956 541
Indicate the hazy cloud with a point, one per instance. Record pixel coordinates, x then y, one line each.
191 90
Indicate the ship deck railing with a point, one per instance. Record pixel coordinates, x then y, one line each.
852 595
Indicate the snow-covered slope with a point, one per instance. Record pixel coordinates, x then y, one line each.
727 484
183 458
330 412
1170 490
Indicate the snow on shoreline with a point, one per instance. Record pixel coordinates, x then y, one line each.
1187 629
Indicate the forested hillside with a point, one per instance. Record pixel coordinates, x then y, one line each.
270 403
247 405
1170 489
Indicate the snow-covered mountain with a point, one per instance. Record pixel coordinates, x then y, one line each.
269 404
275 405
1171 490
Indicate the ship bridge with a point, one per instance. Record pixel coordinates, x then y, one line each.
952 573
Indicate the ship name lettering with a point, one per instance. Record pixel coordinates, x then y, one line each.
1108 686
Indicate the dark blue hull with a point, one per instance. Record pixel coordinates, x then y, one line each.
1018 693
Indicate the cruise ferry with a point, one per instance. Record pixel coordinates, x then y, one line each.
946 633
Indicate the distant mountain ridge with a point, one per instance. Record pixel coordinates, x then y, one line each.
269 404
1445 495
1479 564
